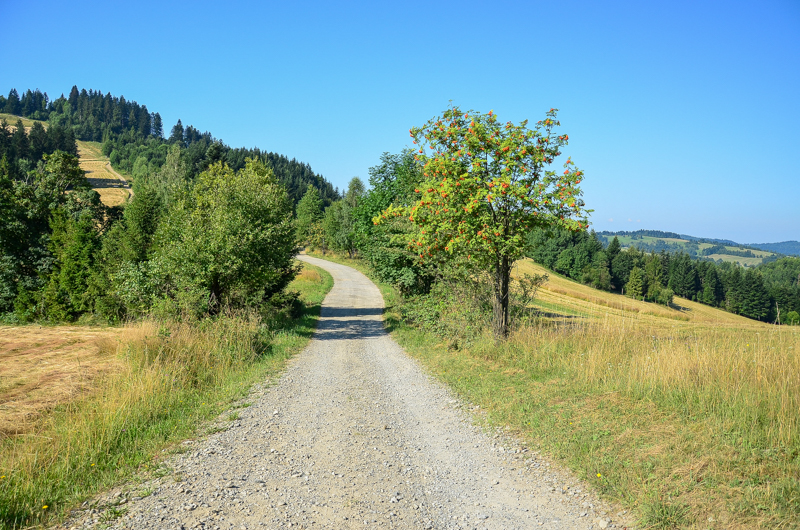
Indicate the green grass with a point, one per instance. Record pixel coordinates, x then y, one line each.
687 424
177 377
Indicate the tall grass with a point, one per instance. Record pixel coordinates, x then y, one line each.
749 378
174 376
679 418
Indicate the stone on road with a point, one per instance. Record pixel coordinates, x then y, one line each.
353 435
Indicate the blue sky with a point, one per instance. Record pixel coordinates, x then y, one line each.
683 115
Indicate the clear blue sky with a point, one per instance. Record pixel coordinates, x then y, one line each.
684 115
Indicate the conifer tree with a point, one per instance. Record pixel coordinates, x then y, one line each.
13 105
636 286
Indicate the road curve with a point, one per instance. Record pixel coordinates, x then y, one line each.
356 435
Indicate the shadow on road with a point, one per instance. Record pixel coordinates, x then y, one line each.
345 323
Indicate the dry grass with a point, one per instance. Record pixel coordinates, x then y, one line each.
43 367
12 121
585 301
112 190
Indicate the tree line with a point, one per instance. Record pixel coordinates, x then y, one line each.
209 229
758 292
134 138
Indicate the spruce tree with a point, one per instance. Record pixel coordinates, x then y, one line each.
637 285
176 136
13 105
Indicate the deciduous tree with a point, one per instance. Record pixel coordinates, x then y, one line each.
486 185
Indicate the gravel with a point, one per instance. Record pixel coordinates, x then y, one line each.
354 434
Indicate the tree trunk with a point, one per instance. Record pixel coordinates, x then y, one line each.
502 277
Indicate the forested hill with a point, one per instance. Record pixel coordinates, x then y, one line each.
790 248
709 249
134 139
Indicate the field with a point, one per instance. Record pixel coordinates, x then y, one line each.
12 120
43 367
107 182
688 416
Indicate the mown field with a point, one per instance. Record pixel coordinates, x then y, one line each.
85 408
689 416
103 178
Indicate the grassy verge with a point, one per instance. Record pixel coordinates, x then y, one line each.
690 425
174 378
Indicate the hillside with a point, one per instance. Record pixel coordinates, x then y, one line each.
697 248
104 180
790 248
112 187
562 299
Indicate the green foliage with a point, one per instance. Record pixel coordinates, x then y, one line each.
793 318
73 243
384 245
485 186
636 285
32 208
309 212
339 224
230 243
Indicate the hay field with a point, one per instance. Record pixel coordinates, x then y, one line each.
102 177
43 367
12 120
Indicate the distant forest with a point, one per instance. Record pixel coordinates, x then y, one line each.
690 247
754 292
789 248
134 140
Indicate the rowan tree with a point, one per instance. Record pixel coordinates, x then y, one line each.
486 184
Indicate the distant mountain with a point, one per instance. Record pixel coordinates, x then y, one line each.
789 248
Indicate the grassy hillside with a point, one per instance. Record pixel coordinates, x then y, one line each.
561 297
696 247
103 178
12 120
113 191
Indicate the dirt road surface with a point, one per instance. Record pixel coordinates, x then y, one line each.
353 435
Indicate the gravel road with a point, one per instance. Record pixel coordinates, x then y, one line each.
353 435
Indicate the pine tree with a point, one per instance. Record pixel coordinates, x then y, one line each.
13 105
20 141
176 136
73 98
158 127
637 285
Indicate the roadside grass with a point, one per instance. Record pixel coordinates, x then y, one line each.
690 423
174 377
